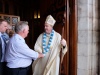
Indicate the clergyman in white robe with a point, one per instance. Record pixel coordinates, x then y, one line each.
49 64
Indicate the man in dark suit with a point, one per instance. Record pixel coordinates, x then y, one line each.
3 28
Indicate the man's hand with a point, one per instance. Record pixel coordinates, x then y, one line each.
63 42
40 55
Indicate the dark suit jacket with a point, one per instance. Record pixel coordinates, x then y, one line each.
5 38
3 64
0 49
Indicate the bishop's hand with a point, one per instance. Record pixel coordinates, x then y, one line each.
63 42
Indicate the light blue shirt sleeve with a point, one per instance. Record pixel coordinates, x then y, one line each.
24 51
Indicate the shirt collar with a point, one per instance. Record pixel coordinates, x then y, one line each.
20 37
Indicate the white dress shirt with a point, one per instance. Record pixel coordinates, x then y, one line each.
18 54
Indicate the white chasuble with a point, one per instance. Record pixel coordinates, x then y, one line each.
49 64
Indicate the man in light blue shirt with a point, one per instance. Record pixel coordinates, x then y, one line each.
18 55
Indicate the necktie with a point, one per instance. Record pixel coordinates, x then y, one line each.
4 39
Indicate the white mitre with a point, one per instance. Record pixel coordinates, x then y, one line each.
50 20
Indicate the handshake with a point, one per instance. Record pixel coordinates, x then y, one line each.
41 55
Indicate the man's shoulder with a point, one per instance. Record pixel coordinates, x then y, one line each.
14 38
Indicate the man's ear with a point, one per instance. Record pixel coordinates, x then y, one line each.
23 30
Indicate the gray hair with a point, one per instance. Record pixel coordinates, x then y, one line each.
20 26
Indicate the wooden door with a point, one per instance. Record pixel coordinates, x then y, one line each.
73 37
70 60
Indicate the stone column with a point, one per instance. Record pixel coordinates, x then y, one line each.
87 37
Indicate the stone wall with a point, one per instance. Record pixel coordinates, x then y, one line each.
87 37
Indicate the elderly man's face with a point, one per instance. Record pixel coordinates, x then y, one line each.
26 31
48 28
